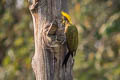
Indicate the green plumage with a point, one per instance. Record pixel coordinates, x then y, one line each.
71 33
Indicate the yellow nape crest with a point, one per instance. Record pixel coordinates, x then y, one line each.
67 16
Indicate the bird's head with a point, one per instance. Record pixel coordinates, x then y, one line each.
66 17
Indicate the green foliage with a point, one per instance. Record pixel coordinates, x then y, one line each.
99 39
97 35
112 25
16 42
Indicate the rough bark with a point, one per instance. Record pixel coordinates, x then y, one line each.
50 45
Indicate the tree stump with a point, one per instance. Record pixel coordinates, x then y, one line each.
50 44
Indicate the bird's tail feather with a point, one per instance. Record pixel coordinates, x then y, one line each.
66 58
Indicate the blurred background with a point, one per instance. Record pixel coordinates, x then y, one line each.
98 54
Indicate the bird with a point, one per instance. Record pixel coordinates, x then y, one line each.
71 34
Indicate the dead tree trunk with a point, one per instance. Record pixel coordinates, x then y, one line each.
50 45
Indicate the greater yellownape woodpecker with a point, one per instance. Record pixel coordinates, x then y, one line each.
71 34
